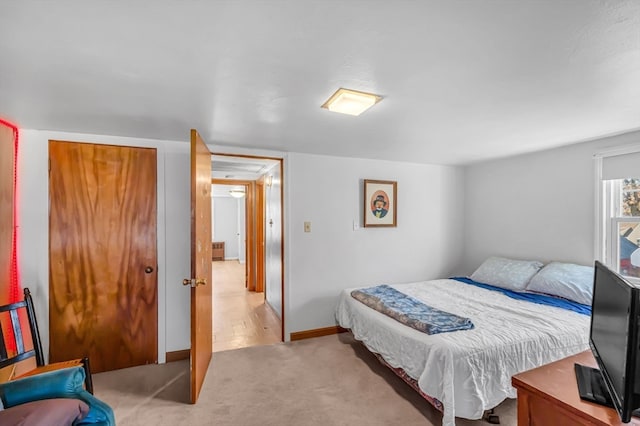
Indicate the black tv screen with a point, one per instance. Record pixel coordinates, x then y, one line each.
614 337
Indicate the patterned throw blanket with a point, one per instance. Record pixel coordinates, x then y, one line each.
409 311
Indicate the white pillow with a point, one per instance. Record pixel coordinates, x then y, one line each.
566 280
506 273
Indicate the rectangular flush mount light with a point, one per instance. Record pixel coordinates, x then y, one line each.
351 102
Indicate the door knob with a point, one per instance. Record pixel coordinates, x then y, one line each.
194 282
148 269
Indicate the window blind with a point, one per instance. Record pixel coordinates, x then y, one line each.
621 166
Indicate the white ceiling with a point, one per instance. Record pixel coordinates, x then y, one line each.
240 168
462 81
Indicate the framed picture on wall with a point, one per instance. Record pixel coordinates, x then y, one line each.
380 203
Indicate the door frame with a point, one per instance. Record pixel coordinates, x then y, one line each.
260 218
280 161
249 252
42 310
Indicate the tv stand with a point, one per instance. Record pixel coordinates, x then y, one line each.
591 386
548 395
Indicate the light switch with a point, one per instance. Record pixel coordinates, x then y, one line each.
307 227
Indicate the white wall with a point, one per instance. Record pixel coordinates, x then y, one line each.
535 206
177 248
327 191
539 205
225 224
173 228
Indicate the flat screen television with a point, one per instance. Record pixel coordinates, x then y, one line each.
614 341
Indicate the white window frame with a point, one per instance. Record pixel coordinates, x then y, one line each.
607 208
613 190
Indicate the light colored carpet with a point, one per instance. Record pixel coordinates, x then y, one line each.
331 380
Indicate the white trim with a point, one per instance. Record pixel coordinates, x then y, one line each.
161 252
609 211
619 150
598 247
233 150
286 238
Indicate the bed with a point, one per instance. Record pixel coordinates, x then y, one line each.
463 373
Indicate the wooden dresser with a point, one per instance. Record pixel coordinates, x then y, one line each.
548 396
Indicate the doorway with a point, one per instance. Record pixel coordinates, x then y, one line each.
248 288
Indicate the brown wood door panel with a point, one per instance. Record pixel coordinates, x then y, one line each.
102 237
201 302
6 210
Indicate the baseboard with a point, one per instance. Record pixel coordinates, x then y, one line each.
178 355
266 301
231 258
317 332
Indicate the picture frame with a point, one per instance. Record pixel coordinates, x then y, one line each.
380 203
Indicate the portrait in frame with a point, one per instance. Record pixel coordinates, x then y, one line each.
380 203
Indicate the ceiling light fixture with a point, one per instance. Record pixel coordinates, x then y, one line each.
352 102
237 193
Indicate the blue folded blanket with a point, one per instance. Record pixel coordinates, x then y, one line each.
410 311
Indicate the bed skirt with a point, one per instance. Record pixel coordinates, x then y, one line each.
407 379
488 416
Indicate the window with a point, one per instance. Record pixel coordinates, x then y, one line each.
618 210
622 227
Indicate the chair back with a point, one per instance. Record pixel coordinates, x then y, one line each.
13 350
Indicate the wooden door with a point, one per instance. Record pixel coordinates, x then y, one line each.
201 282
102 254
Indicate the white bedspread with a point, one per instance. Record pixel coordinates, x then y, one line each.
469 371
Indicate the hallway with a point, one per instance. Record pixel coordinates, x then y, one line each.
240 318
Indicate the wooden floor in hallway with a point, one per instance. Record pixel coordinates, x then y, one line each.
241 318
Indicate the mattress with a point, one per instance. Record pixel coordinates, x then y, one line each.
469 371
